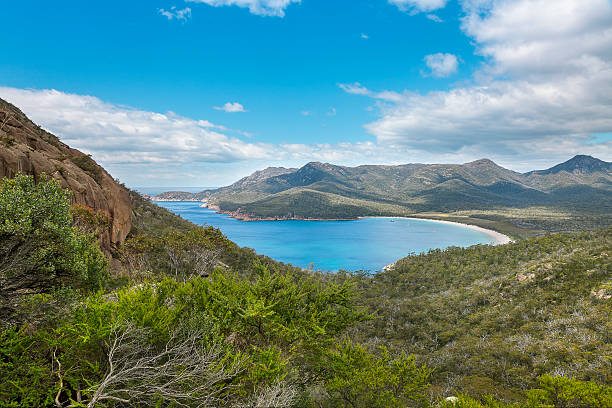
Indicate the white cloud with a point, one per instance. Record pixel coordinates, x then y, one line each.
231 107
116 134
545 88
532 38
358 89
415 6
500 113
441 65
150 148
306 113
434 18
259 7
180 15
332 112
355 89
365 36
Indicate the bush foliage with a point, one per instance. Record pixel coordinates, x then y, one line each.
40 250
197 321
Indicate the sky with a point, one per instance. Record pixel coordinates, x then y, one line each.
204 92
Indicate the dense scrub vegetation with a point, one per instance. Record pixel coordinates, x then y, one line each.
188 319
492 319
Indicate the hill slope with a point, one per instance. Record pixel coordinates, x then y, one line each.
491 319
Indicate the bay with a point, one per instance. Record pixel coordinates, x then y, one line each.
365 244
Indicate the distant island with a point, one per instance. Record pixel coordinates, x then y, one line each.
480 193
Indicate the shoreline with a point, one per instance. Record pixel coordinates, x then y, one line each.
173 200
498 237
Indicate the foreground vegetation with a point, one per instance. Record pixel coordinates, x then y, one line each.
188 319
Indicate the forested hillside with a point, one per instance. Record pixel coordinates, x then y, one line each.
492 319
27 148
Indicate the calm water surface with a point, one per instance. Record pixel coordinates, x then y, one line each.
365 244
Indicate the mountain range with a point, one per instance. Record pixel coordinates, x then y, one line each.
327 191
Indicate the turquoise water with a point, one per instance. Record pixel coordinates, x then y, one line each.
365 244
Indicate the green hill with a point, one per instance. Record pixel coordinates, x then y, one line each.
492 319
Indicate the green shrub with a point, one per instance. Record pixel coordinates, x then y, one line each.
563 392
358 378
89 166
39 248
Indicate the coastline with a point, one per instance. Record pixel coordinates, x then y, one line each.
250 218
174 200
498 237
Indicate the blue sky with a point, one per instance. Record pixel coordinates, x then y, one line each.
143 85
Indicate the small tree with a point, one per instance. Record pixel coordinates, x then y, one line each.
358 378
183 255
39 248
566 392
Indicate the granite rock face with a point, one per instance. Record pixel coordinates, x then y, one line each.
27 148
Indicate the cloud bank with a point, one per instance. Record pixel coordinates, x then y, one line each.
544 90
117 134
139 145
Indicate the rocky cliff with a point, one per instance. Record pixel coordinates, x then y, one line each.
29 149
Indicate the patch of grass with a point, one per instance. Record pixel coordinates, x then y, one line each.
89 166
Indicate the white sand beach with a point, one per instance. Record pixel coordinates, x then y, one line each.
500 239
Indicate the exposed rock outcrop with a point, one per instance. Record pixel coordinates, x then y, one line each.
29 149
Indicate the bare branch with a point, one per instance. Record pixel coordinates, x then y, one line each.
61 380
182 373
278 395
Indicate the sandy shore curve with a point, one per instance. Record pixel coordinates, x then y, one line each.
498 237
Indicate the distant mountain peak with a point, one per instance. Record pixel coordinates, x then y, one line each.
584 159
319 165
482 162
261 175
579 164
